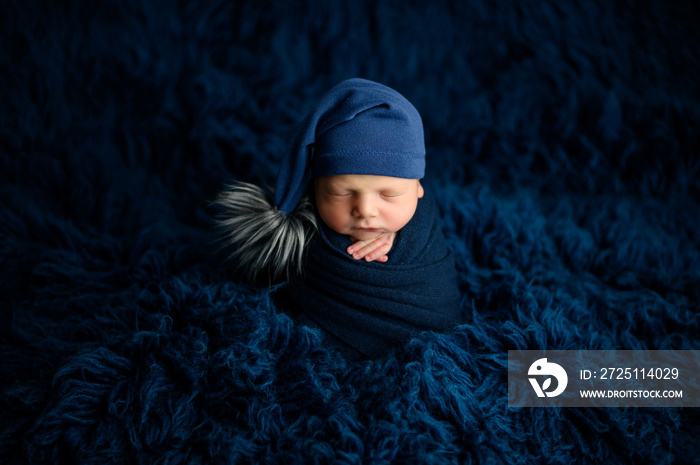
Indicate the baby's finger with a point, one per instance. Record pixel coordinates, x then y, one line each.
379 254
357 245
364 249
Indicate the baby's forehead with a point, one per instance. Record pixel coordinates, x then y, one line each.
365 181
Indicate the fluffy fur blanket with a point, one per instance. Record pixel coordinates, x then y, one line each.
563 155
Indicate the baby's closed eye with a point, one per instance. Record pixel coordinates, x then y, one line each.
390 194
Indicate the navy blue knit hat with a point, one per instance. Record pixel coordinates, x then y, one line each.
358 127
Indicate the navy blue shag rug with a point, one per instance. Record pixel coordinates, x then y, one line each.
564 154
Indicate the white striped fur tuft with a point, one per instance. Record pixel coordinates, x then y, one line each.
261 238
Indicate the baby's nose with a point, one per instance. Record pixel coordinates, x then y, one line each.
364 208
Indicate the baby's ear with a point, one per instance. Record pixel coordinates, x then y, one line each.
421 192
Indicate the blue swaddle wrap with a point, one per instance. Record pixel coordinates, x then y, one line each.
370 307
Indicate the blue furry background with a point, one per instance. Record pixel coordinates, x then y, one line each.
564 152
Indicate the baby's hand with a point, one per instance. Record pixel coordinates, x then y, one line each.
373 249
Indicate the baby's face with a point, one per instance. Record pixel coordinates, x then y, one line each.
363 206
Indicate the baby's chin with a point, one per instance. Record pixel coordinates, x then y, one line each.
365 235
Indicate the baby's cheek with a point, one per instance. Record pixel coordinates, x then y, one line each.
334 220
338 227
401 217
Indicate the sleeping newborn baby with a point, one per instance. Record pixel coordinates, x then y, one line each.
369 209
351 227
